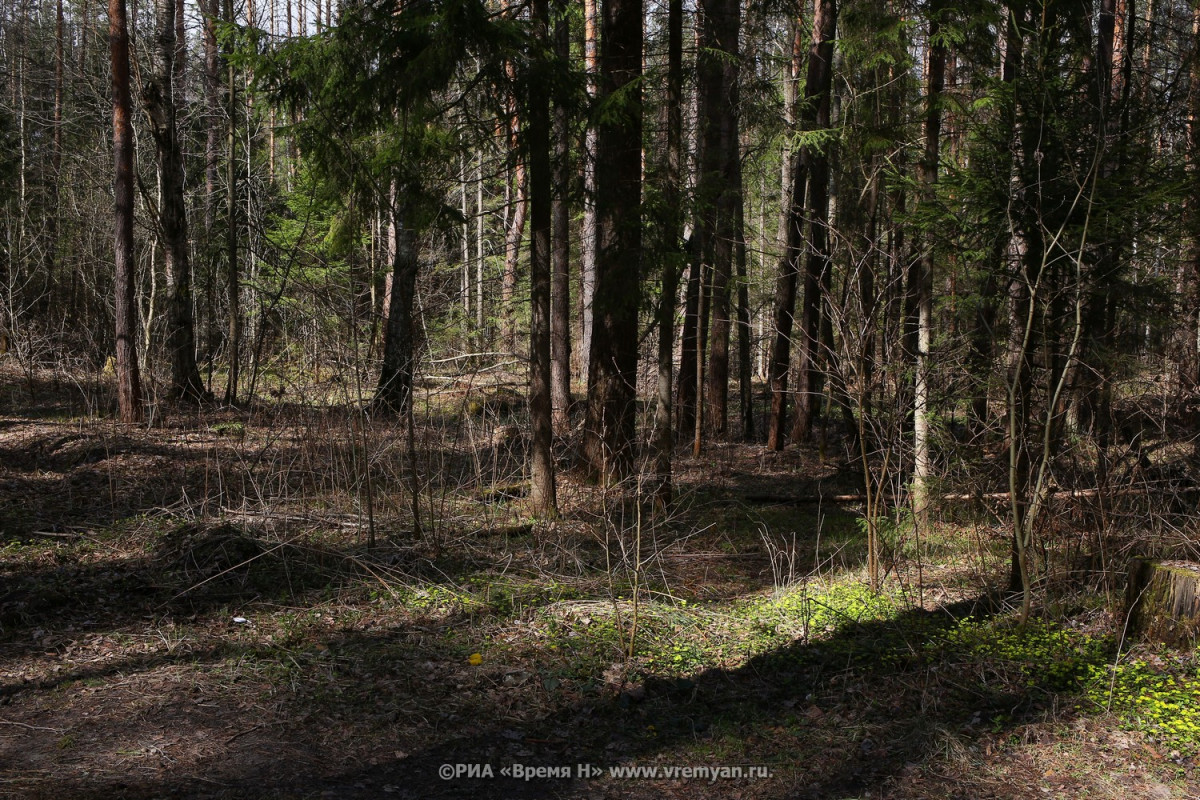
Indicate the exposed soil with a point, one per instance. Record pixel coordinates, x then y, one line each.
191 609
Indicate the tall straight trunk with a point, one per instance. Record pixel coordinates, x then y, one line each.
542 499
588 231
232 278
670 244
685 394
271 9
464 281
810 376
129 385
158 101
519 194
703 304
817 91
819 79
1189 274
791 108
612 370
745 331
927 175
56 142
720 189
212 114
479 223
983 340
1090 401
394 392
85 25
560 243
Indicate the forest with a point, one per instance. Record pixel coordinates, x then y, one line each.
531 398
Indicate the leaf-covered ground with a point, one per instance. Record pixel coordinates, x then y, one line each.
191 609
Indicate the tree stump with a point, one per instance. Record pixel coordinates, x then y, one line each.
1163 598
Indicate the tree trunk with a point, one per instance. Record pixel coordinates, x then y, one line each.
745 332
1163 601
588 232
512 239
816 96
927 175
394 392
560 242
671 254
685 397
232 279
129 386
55 143
542 498
158 101
612 371
1189 270
719 188
809 384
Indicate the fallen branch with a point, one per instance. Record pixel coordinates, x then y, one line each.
968 496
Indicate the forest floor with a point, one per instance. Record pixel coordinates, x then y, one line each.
191 608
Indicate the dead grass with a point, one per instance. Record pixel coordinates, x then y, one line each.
191 610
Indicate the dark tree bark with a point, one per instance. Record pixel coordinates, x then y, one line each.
588 232
745 332
612 371
810 377
394 392
670 256
129 386
232 278
1188 282
720 188
519 194
819 72
56 142
983 339
158 100
212 113
212 160
543 500
816 170
560 243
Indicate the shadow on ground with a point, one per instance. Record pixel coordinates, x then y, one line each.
836 718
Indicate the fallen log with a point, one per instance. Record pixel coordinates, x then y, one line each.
1070 494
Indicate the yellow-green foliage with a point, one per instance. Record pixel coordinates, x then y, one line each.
1164 706
816 611
1039 654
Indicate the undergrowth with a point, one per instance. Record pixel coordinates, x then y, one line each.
1164 705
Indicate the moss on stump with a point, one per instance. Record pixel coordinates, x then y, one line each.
1163 598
